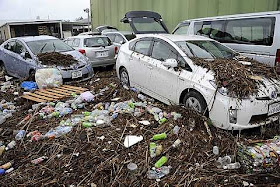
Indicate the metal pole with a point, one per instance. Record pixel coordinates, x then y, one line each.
88 22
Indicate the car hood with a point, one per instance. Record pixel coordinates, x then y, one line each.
81 60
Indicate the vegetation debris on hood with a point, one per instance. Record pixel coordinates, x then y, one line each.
240 77
55 58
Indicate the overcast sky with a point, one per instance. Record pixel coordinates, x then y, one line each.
30 9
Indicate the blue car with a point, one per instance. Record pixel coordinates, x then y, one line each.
18 58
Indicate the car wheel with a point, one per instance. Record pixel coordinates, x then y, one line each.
2 69
124 77
195 101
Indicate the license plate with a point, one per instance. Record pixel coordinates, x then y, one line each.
102 54
273 108
77 74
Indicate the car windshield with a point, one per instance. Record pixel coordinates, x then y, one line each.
205 49
97 42
51 45
148 24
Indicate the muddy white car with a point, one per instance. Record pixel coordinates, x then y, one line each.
159 66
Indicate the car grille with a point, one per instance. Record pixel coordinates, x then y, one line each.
71 68
78 79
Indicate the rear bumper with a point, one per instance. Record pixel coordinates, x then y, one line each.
103 62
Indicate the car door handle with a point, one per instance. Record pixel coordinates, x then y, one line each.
150 67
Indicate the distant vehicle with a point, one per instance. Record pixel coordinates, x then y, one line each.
18 58
99 49
161 66
106 27
255 35
120 37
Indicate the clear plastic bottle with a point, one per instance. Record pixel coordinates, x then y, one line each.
176 130
11 145
20 135
215 150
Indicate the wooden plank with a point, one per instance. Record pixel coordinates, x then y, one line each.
63 90
76 88
47 95
63 94
40 97
70 89
51 93
33 99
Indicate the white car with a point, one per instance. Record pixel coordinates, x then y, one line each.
150 63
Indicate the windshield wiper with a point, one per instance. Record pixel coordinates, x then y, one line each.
41 50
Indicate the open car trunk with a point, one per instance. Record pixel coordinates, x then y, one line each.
145 22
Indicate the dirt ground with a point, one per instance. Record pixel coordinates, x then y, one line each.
86 160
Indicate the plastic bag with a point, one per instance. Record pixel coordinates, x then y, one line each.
48 78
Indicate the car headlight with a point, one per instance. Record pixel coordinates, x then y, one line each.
222 90
232 115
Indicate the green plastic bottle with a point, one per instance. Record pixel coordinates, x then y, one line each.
159 136
87 124
161 161
161 121
153 148
86 113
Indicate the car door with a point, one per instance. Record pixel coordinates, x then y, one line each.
139 66
163 81
23 61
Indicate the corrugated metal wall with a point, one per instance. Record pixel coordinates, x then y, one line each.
173 11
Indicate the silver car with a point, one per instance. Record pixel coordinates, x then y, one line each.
99 49
18 58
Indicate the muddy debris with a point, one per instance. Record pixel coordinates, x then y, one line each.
240 77
96 156
57 59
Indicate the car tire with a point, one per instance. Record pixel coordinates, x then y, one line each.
2 69
124 77
196 101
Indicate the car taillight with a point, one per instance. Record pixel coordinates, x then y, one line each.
116 50
277 61
82 51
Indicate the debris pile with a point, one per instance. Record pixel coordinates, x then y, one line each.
240 78
57 59
115 136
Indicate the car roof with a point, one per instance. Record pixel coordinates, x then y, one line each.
119 32
176 38
35 38
87 36
233 16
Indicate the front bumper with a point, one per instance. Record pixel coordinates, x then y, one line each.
251 113
87 73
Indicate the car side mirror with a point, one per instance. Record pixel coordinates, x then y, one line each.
170 63
22 55
25 55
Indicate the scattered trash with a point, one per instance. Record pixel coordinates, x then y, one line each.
6 166
176 130
2 149
48 78
20 135
144 122
176 143
160 136
215 150
132 167
161 162
11 145
87 96
131 140
39 160
29 85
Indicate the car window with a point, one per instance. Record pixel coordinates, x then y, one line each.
11 45
112 37
162 51
205 49
256 31
97 42
143 46
69 42
19 48
49 45
182 30
119 39
76 42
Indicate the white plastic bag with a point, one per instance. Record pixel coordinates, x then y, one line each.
48 78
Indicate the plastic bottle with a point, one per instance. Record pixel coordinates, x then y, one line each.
159 136
2 119
159 150
235 165
176 143
87 124
2 149
153 147
20 135
176 130
11 145
132 167
161 121
115 115
6 166
142 97
39 160
10 170
2 172
215 150
161 161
